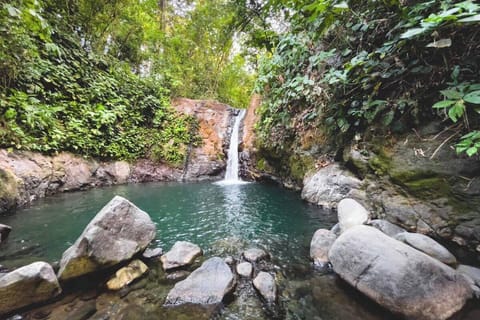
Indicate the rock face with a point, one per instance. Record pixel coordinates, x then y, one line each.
182 254
264 282
207 161
397 276
4 232
206 285
386 227
329 185
118 231
30 284
351 213
428 246
320 245
126 275
245 269
254 254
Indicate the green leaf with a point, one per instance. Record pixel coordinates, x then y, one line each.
473 97
475 18
452 94
443 104
412 33
471 151
455 112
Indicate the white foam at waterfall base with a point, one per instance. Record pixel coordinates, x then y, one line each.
231 174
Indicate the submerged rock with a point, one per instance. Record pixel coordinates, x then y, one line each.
254 254
206 285
321 242
387 227
118 232
245 269
264 282
30 284
428 246
181 254
351 213
4 232
126 275
329 185
397 276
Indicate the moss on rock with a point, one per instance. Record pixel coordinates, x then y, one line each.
8 190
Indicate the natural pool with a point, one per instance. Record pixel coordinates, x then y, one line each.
223 220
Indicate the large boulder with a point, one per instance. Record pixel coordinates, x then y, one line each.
118 232
351 213
321 242
30 284
427 245
264 282
182 254
387 227
397 276
329 185
206 285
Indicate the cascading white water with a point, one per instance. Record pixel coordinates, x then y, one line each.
231 175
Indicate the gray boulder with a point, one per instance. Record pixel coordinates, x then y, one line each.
471 272
245 269
329 185
387 227
254 254
118 232
152 253
30 284
321 242
264 282
181 254
351 213
336 229
206 285
396 276
428 246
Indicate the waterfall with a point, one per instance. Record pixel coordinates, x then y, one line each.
231 175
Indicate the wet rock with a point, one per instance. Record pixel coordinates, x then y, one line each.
264 282
245 269
397 276
83 312
126 275
4 232
118 232
428 246
152 253
181 254
472 272
206 285
351 213
321 242
30 284
386 227
255 254
329 185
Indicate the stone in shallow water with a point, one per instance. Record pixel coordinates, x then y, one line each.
206 285
387 227
245 269
126 275
428 246
397 276
351 213
264 282
30 284
4 232
254 254
321 242
182 254
118 232
152 253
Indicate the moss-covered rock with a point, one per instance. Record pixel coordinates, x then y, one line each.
8 190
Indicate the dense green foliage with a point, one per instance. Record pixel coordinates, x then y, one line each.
96 77
376 65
